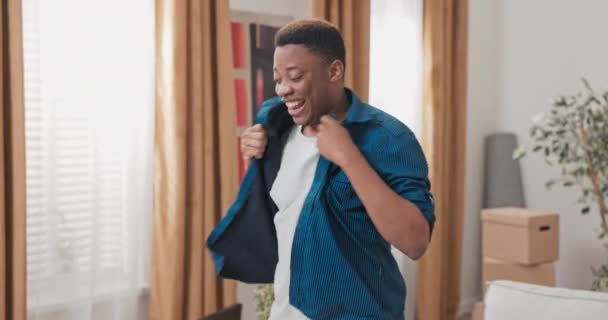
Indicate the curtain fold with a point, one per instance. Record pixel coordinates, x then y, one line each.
196 164
445 28
352 17
12 166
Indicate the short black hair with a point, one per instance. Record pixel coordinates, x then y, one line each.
319 36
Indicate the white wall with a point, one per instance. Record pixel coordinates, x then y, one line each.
522 55
483 103
296 9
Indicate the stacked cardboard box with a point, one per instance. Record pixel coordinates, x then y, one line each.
519 245
477 313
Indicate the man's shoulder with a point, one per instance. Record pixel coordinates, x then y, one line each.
388 124
388 139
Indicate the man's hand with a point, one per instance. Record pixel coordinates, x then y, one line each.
334 142
253 143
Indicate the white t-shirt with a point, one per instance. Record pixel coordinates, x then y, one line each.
290 188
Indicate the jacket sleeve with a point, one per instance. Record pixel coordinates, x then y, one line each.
243 245
403 166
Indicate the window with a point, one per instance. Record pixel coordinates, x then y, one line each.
89 77
395 82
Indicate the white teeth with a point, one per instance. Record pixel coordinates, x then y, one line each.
293 104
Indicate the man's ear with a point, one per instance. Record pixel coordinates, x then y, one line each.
336 71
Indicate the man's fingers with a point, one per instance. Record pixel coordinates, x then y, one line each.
260 135
252 152
322 127
327 119
250 142
257 128
255 131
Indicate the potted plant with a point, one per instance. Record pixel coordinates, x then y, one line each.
264 296
573 135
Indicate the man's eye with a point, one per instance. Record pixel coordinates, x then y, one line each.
296 79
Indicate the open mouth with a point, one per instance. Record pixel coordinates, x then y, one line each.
295 107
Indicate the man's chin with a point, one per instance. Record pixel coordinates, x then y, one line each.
301 121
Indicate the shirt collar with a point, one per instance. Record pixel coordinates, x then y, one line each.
357 111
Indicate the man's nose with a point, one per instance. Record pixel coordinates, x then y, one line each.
283 90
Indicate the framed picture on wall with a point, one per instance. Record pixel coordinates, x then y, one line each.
252 52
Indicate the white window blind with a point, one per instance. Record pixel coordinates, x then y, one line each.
88 68
38 249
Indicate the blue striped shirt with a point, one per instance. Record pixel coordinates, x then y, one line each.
341 266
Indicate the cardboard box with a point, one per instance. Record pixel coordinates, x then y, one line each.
541 274
477 313
520 235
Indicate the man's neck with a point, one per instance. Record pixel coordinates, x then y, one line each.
342 105
340 109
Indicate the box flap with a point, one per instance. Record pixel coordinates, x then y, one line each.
513 215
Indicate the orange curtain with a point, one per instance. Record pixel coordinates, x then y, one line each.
445 26
12 166
352 19
444 126
196 164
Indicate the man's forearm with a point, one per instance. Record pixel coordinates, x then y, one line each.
398 220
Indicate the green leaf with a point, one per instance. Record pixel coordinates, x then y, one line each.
568 184
594 271
585 210
560 102
549 184
537 148
580 172
518 153
533 131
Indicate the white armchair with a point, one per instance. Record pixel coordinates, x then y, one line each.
508 300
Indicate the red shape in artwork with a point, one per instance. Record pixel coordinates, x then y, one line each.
240 88
238 44
259 87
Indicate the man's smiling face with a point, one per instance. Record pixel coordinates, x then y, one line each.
302 80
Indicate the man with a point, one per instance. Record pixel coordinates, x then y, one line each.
332 184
